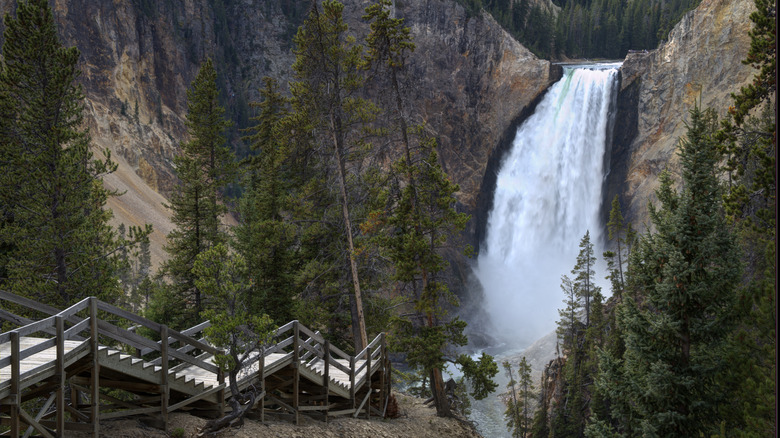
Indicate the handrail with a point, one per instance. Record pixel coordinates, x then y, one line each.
307 346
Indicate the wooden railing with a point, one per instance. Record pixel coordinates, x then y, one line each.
94 328
297 345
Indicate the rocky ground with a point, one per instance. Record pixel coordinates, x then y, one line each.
416 420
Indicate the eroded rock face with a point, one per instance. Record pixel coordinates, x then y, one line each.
469 79
472 80
700 63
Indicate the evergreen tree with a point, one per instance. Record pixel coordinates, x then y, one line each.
417 235
583 275
619 233
569 324
685 274
236 328
513 413
205 167
749 141
327 78
263 236
55 240
518 408
421 220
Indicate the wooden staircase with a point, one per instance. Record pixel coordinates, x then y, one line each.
78 369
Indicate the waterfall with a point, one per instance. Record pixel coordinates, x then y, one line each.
548 193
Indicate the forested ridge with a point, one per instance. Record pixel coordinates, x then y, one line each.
586 28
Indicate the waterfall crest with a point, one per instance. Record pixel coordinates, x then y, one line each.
548 193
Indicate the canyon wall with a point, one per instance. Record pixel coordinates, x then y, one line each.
469 79
699 64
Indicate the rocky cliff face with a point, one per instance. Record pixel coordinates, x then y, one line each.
700 63
470 80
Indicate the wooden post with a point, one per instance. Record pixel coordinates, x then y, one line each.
326 378
15 396
261 376
221 393
368 382
164 390
352 381
296 371
383 376
95 406
60 374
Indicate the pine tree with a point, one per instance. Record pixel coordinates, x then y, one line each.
421 220
526 394
326 72
513 413
749 141
619 235
685 274
236 328
263 236
56 243
205 167
418 233
569 325
583 275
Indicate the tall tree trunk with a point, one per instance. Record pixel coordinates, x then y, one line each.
362 339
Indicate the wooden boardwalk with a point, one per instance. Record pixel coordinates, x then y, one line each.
77 367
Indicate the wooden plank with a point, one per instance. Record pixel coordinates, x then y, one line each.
341 412
164 390
40 415
195 398
312 408
326 376
95 371
194 342
285 328
357 411
16 320
185 338
196 328
261 378
76 413
26 302
296 371
36 327
79 427
129 316
69 313
71 333
184 365
29 420
129 412
15 371
282 404
368 396
303 329
125 336
39 391
59 324
30 351
118 384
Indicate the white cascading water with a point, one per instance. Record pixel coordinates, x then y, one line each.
548 194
